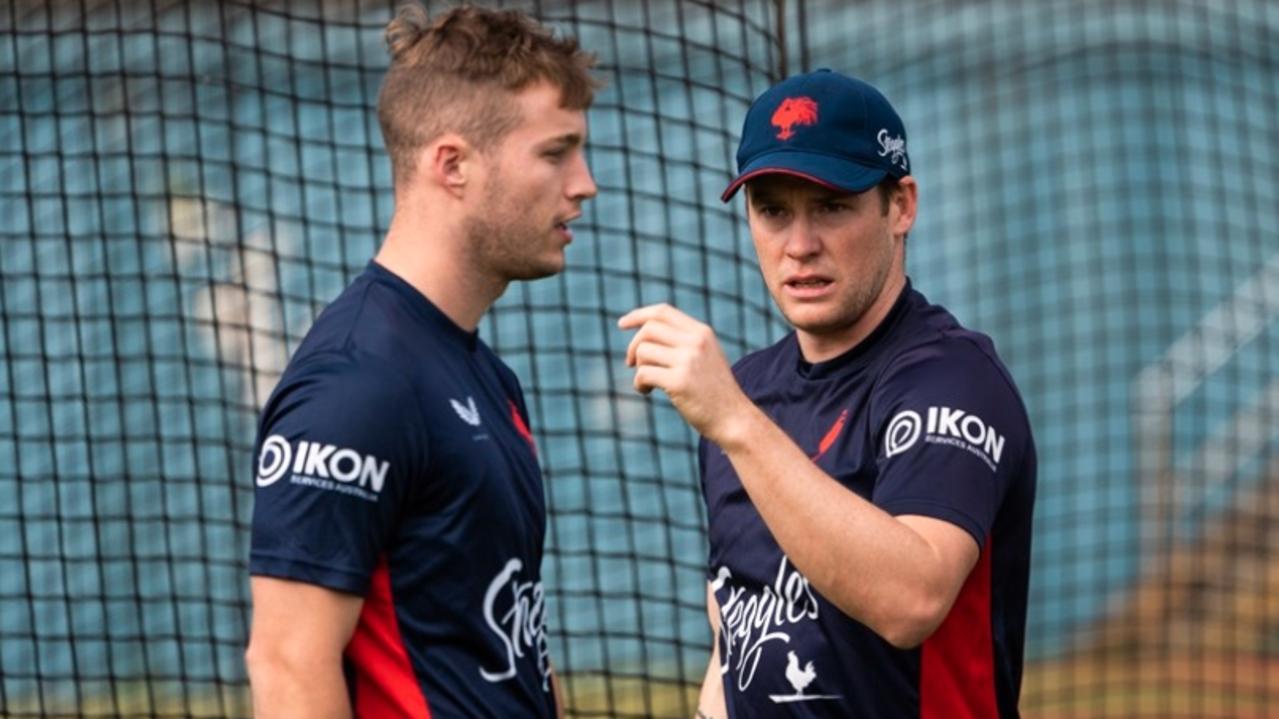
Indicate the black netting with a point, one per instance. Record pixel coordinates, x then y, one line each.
184 184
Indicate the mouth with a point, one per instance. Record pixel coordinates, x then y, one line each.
562 228
807 286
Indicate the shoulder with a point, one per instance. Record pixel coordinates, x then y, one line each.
932 347
943 372
950 356
358 387
370 315
338 412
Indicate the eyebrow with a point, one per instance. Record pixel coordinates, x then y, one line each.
570 139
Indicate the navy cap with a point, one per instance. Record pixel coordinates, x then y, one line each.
825 127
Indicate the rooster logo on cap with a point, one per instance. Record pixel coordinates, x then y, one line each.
794 111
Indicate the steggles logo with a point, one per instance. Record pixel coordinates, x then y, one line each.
752 622
894 148
521 626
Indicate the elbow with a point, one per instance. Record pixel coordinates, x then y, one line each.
907 624
270 666
907 636
257 663
290 681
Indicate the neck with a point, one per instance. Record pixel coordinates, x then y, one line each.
819 348
434 257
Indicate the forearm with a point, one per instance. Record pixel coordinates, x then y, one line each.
873 566
897 575
292 688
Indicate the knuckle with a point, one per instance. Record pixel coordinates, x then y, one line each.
705 336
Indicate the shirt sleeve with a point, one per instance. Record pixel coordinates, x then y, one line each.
951 433
340 445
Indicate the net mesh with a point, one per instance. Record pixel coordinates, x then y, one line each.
1100 193
183 185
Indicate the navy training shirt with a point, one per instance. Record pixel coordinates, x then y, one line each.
395 463
919 418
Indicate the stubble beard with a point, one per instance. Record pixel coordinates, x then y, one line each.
851 308
504 240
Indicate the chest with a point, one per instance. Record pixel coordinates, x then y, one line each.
481 469
830 424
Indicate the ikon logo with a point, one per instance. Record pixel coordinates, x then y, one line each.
319 461
902 432
944 425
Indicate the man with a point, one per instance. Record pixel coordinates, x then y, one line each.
399 518
870 477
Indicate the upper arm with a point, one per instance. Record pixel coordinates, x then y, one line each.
298 622
955 553
950 434
342 448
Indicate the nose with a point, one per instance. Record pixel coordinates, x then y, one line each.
802 240
581 186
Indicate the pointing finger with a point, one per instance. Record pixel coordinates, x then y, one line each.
662 311
655 331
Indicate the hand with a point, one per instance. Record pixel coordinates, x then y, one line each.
681 356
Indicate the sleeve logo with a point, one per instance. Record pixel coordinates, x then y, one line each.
323 466
902 433
274 460
945 425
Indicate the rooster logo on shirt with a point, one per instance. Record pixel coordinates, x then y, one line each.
799 680
792 112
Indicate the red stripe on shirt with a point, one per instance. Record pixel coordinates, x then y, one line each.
385 684
831 435
521 426
957 663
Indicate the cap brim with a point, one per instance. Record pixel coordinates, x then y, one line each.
832 172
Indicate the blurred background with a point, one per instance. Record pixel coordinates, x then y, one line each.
184 185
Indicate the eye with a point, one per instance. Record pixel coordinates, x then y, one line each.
556 154
834 206
771 211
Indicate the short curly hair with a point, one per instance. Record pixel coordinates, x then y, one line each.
456 73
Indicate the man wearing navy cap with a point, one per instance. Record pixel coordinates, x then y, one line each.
870 478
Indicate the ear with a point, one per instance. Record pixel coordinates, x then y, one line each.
903 204
450 163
